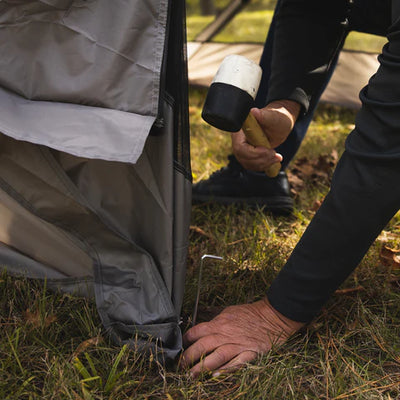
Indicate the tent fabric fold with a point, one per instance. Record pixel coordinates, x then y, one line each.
82 63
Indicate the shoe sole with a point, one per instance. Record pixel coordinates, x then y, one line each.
277 205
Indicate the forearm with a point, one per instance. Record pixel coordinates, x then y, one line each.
351 217
308 35
363 198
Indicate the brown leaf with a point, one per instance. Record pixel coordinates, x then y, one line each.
324 164
32 318
390 257
49 320
386 236
201 232
350 290
314 171
35 319
316 205
85 344
303 167
296 183
335 156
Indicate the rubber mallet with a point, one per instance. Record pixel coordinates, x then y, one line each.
229 100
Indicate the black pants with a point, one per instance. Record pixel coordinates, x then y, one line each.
364 196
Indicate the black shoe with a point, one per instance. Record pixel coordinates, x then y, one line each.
235 185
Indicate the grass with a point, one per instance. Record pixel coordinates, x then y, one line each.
52 345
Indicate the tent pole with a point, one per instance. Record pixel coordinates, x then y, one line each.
221 20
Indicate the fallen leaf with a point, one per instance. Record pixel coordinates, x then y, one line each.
313 171
386 236
296 184
316 205
350 290
201 232
390 257
324 164
35 319
32 318
86 344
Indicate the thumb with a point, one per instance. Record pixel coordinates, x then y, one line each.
257 114
263 117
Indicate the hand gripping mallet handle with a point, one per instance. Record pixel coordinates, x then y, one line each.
256 137
230 98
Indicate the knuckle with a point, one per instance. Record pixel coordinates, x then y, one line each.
221 355
201 347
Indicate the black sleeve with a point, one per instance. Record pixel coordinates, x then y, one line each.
363 198
371 16
308 35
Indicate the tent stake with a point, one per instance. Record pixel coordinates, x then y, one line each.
196 304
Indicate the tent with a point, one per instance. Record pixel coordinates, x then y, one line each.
95 180
352 72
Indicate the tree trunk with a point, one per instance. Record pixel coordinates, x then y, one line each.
207 7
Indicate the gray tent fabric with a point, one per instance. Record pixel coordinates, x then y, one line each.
66 65
88 222
353 70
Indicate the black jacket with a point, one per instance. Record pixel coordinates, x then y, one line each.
308 36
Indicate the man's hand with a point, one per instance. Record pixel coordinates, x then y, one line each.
250 157
277 120
235 337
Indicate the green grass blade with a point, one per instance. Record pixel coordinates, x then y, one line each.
113 376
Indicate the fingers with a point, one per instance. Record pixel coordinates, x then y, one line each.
216 359
226 358
209 346
235 337
250 157
241 146
238 362
201 347
198 331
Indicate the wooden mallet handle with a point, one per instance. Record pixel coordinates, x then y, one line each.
256 137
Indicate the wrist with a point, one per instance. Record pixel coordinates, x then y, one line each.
288 107
290 326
